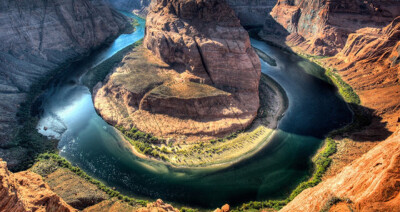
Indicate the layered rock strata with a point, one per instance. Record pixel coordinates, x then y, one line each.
196 77
370 183
363 38
26 191
322 27
37 37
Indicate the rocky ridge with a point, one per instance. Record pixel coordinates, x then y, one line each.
37 37
207 74
322 27
26 191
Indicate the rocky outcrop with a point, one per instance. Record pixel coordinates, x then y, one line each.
370 63
224 208
322 27
370 183
196 78
37 37
26 191
158 205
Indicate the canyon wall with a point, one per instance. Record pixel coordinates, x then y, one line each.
249 12
204 74
26 191
139 7
37 37
363 40
252 12
321 27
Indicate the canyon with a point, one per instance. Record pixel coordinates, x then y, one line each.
204 80
195 77
37 38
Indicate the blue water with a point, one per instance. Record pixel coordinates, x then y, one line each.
90 143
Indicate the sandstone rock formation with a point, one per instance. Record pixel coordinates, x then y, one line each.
321 27
370 63
198 77
224 208
37 37
26 191
159 206
371 183
364 39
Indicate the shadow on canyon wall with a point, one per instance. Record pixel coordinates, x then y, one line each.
367 125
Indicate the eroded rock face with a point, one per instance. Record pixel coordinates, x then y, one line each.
366 55
199 79
158 205
371 182
26 191
38 36
321 27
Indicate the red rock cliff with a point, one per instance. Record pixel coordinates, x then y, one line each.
321 27
26 191
363 38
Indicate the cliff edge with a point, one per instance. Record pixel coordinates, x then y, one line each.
26 191
37 37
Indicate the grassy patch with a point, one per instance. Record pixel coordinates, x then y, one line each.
143 142
345 90
58 161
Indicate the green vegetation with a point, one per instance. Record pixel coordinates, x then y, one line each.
333 201
184 209
322 162
345 90
143 142
99 73
60 162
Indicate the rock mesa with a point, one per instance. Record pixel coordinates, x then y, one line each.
200 76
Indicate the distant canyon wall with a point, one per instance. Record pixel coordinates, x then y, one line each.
252 12
322 27
36 38
249 12
139 7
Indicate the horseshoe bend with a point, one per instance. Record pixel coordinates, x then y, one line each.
199 105
204 75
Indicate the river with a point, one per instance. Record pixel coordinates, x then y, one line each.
87 141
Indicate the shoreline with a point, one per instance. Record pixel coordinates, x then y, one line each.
322 159
227 161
